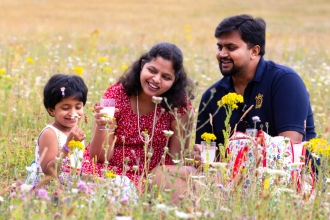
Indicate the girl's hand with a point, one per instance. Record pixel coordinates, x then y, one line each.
76 134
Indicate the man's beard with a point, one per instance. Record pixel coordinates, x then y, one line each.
230 72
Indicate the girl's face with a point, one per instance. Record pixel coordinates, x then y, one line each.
157 76
67 113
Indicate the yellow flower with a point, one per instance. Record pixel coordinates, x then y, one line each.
107 69
76 145
79 70
29 60
208 137
2 71
318 146
102 59
124 67
187 28
231 100
266 184
110 174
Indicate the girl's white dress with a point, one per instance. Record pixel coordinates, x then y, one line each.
34 170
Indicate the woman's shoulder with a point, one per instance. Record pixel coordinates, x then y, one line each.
115 91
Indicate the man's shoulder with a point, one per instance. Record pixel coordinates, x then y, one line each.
277 68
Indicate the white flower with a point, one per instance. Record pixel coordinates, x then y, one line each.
189 159
197 177
225 209
26 188
256 119
262 170
219 165
296 164
123 218
285 190
156 99
183 215
315 156
1 199
74 190
176 161
161 207
277 172
75 116
168 133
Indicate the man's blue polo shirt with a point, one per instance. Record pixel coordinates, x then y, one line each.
279 97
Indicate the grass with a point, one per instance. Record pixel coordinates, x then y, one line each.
41 38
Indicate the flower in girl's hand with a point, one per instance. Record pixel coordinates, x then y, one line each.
76 145
75 116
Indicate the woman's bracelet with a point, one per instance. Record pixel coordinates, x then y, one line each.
65 147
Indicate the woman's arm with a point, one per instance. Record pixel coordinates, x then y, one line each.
98 142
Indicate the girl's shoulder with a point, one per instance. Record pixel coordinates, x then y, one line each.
50 133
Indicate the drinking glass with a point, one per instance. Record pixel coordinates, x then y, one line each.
108 107
208 150
252 132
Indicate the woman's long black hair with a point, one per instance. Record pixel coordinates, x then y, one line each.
182 88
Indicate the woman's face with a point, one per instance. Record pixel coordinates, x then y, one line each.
157 76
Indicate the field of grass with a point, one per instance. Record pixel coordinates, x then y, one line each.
41 38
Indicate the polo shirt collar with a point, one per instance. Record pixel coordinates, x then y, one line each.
227 82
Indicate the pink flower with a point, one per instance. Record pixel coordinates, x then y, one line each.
43 194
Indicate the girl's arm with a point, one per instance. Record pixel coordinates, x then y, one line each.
98 142
182 128
48 148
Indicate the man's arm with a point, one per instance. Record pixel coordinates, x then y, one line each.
294 136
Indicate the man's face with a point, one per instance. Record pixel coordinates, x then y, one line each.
233 54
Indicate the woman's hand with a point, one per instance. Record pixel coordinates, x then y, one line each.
99 119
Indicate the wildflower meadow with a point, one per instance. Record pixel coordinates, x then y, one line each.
98 40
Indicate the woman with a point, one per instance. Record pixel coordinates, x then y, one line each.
138 145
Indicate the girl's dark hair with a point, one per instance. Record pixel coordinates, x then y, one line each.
252 30
182 88
74 87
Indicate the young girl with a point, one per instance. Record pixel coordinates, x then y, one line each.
139 137
64 100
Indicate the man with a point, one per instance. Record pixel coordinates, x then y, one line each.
277 93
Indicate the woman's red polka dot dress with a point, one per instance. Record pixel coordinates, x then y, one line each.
129 144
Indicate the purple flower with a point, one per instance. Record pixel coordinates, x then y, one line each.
22 196
221 186
42 193
82 187
124 201
57 215
13 194
256 119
